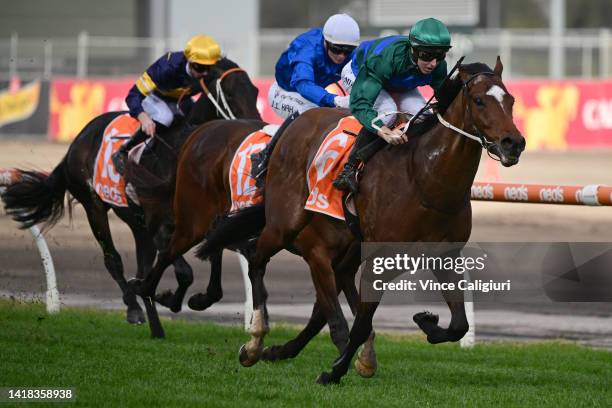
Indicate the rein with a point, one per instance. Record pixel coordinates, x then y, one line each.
224 111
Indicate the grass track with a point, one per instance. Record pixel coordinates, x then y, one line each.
113 364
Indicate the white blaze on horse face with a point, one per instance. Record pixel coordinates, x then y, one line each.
498 93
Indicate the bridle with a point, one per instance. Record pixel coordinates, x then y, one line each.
478 137
224 110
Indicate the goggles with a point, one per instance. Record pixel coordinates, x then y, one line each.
339 49
429 55
200 68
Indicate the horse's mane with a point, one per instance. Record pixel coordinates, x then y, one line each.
446 94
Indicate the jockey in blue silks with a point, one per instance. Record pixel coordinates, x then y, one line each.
312 61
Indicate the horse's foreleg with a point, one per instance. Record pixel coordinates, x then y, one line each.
294 346
458 326
268 244
366 363
324 281
361 330
214 292
146 288
184 278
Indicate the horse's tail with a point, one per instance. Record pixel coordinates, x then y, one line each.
233 228
37 197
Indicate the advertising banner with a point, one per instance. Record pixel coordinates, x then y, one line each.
24 108
553 115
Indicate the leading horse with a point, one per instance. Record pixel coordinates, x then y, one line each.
40 198
416 192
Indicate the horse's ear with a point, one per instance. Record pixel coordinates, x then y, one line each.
498 67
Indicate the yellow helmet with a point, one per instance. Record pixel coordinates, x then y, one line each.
202 49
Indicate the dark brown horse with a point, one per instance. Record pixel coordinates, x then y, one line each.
203 171
40 198
416 192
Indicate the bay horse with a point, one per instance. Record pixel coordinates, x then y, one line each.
203 171
40 198
415 192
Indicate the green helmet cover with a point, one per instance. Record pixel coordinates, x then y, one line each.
430 32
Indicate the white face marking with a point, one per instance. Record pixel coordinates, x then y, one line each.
498 93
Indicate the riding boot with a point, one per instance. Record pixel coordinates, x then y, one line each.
365 146
119 158
259 160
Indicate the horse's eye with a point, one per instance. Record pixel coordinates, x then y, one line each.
478 101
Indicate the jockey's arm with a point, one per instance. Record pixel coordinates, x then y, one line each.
303 81
365 90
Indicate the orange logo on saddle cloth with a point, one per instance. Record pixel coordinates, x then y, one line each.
109 185
242 185
328 162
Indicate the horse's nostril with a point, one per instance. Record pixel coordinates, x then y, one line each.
522 144
507 143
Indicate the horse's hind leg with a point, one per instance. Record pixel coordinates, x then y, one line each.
98 221
214 291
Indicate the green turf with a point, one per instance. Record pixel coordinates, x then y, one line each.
110 363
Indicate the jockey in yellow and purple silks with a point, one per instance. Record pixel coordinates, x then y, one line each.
153 100
312 61
383 77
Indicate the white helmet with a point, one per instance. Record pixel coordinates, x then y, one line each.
341 29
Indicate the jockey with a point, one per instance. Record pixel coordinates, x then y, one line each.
312 61
383 76
154 99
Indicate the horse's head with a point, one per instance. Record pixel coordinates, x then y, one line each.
488 110
228 93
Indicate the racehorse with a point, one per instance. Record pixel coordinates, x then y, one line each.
40 198
415 192
203 170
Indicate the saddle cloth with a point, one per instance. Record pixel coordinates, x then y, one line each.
328 162
108 184
244 193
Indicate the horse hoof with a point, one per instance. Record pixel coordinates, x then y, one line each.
365 369
135 316
327 379
199 302
135 285
166 299
244 358
422 317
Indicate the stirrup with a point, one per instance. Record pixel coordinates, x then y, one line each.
118 158
347 179
259 164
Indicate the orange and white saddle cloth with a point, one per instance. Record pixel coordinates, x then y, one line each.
327 164
108 184
244 193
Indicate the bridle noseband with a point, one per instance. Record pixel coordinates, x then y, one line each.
478 137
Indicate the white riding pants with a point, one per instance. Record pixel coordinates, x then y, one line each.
285 103
159 110
409 101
